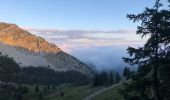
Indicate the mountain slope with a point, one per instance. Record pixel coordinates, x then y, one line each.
30 50
13 35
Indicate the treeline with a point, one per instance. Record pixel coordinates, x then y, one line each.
46 76
11 72
106 78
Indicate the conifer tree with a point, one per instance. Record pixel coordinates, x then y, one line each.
111 76
126 73
155 23
117 78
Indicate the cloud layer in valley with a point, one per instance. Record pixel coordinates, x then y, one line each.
103 49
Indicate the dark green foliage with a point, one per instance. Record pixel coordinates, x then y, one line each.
46 76
12 77
37 88
127 73
165 78
151 82
61 94
48 87
11 72
40 95
96 80
23 89
53 87
139 88
12 91
106 79
7 92
100 79
8 69
45 89
117 78
111 78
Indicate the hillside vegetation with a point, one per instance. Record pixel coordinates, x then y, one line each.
112 94
61 92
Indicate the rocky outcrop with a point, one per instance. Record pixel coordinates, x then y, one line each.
13 35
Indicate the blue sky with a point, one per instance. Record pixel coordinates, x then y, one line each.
72 14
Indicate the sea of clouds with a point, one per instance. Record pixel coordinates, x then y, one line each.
102 50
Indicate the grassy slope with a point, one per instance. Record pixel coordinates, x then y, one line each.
70 93
73 93
112 94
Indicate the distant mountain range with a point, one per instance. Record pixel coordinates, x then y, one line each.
30 50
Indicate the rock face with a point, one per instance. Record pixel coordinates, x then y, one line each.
13 35
30 50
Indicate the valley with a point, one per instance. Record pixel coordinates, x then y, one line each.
84 50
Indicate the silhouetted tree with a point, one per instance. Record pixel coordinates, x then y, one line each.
61 94
155 23
48 87
117 78
53 87
96 80
126 73
104 78
111 78
37 88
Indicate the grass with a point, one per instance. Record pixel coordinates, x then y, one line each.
72 93
69 93
112 94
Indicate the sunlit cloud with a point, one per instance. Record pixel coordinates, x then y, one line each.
66 39
104 49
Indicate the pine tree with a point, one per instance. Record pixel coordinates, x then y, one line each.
111 81
37 88
96 80
9 71
117 78
155 23
104 78
48 87
53 87
126 73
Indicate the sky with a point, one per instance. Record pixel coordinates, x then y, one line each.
95 31
72 14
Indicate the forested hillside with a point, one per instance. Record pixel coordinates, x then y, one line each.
13 77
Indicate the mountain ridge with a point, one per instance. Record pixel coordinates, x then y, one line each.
13 35
30 50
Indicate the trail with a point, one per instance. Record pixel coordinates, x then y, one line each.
91 96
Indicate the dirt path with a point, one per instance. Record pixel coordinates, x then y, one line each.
91 96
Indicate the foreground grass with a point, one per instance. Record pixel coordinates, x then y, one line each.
68 93
112 94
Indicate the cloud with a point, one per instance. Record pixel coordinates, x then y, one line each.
104 49
77 33
103 57
80 38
